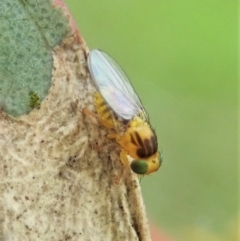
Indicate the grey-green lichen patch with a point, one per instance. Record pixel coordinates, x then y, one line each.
29 29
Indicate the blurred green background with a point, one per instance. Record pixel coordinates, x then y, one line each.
181 58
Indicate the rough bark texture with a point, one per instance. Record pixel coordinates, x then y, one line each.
58 169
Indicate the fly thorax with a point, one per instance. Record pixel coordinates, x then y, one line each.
144 140
136 121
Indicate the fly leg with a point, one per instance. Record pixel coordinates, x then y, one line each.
87 112
125 162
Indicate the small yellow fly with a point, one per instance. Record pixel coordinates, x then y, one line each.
117 104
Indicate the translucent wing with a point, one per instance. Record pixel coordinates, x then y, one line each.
114 86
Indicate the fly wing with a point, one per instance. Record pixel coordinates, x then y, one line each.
114 86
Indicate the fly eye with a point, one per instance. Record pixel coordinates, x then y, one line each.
139 166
